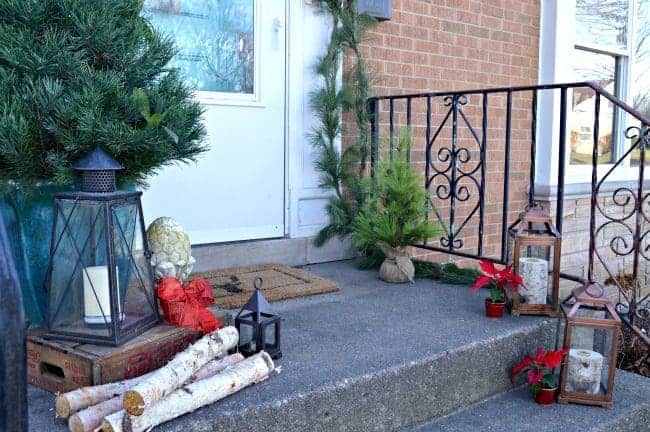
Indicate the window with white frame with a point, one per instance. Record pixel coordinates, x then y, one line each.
612 47
215 41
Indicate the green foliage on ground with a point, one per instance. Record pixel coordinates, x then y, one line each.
76 74
448 273
342 171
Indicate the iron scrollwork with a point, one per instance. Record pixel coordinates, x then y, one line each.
452 169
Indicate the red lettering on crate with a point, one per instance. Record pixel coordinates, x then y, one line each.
138 364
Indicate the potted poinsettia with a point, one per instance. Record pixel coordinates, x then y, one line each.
498 281
539 374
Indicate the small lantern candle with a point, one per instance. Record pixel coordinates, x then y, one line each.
591 338
258 326
534 252
97 299
100 282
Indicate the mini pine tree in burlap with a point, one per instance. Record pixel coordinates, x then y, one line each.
395 211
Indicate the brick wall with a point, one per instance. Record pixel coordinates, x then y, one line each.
456 45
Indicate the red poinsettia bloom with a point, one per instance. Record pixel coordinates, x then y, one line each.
503 279
523 364
539 368
533 376
553 359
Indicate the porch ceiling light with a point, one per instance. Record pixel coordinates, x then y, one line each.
534 253
100 284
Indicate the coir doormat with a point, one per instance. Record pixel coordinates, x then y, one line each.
233 287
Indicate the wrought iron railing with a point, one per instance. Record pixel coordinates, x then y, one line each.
465 159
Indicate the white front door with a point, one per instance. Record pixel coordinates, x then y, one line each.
232 52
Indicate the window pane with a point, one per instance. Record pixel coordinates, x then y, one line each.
602 22
590 66
214 39
641 59
640 70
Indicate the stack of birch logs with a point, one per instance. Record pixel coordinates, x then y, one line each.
198 376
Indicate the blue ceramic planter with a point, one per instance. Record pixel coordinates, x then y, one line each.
28 219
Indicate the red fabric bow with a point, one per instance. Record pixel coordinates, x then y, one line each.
186 306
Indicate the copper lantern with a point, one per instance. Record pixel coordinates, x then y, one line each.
591 338
534 253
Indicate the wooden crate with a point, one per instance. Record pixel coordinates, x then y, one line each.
60 366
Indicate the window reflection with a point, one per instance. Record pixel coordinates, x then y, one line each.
602 23
591 66
214 39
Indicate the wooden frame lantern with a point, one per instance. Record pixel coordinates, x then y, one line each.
591 338
258 326
534 253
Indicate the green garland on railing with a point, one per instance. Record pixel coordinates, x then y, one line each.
342 171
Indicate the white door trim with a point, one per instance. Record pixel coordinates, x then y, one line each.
304 201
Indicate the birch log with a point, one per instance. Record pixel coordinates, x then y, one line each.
69 403
585 370
179 370
193 396
534 272
91 418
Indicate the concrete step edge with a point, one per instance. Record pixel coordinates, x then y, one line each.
391 398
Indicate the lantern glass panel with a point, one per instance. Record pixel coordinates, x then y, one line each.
590 352
248 330
78 294
134 281
535 266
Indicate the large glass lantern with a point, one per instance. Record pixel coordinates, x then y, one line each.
591 337
258 326
100 283
534 253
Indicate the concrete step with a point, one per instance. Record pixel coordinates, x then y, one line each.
374 356
516 410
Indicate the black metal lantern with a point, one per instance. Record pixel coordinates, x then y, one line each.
100 283
258 326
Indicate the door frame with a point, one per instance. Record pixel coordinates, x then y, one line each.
303 198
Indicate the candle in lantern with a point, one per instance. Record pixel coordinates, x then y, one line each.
585 369
97 297
534 272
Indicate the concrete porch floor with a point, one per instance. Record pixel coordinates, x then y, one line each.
355 358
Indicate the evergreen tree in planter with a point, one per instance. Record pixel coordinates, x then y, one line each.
394 215
75 75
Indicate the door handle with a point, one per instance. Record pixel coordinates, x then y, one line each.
277 24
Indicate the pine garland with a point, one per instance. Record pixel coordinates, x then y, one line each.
341 171
76 74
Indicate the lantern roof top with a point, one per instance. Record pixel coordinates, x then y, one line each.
591 293
529 221
535 214
97 160
257 303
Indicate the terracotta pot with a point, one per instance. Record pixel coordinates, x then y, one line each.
545 396
494 310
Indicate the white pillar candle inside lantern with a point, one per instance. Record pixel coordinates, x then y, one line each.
584 373
534 272
97 297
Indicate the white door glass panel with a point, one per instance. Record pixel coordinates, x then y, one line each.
235 191
215 41
602 23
